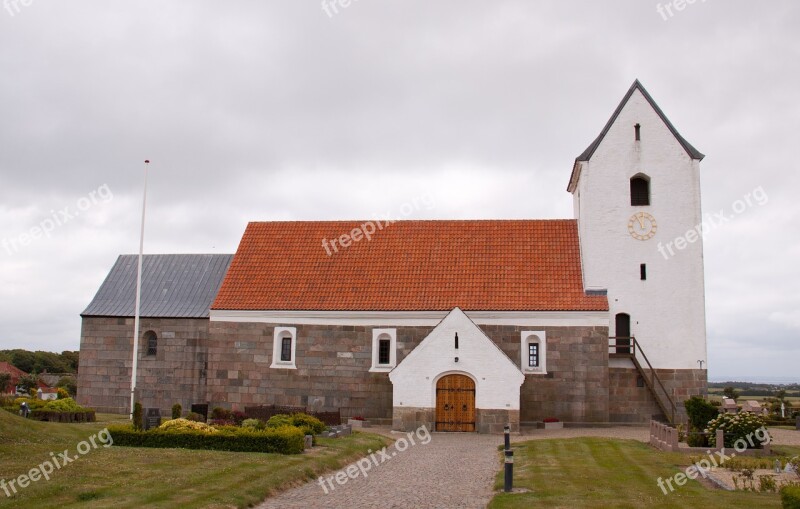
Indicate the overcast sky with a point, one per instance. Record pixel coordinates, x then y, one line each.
279 110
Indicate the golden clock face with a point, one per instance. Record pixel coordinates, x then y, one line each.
642 226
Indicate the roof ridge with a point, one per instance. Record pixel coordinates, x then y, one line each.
637 85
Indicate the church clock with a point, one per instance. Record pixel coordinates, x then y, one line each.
642 226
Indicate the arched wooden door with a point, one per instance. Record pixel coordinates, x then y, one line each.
455 403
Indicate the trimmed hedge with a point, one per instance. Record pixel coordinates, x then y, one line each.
284 440
44 414
790 497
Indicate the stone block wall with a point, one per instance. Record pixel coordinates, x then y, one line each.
332 372
575 388
630 403
176 374
410 418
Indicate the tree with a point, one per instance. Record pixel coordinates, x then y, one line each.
5 378
781 394
731 393
28 382
70 358
69 384
37 362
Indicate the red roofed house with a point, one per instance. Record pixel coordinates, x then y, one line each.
458 325
15 373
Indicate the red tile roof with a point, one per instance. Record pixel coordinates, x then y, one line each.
6 367
15 372
497 265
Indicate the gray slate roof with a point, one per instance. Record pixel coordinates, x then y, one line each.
693 152
173 286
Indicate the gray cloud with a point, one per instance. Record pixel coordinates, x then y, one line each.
273 110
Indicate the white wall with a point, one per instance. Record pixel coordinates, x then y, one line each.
668 309
497 378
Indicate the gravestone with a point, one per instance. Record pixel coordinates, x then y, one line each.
152 418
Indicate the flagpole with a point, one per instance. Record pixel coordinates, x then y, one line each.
138 296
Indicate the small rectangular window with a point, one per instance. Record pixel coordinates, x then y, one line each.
533 355
643 271
637 129
286 350
152 342
383 351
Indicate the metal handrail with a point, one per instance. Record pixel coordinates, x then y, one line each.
633 346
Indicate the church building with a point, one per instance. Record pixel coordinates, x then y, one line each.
459 325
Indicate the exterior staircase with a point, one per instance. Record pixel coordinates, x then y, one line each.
627 347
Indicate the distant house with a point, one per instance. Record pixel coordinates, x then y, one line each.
15 373
47 394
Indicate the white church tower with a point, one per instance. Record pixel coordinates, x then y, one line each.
636 192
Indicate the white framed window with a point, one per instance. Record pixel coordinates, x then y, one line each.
533 352
384 350
284 346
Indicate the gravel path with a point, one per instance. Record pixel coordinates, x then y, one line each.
785 436
451 470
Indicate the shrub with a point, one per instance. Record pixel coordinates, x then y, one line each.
278 420
69 384
194 416
696 439
283 440
238 417
62 393
85 415
220 413
767 483
19 401
741 426
63 405
790 497
177 410
137 416
700 413
308 423
186 425
253 423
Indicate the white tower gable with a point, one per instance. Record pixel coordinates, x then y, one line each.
620 245
497 378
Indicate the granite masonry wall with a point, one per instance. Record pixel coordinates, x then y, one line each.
631 401
228 364
176 374
575 388
333 371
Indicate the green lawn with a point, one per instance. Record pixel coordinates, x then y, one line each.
598 472
121 477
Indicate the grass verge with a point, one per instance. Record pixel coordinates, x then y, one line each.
122 477
598 472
